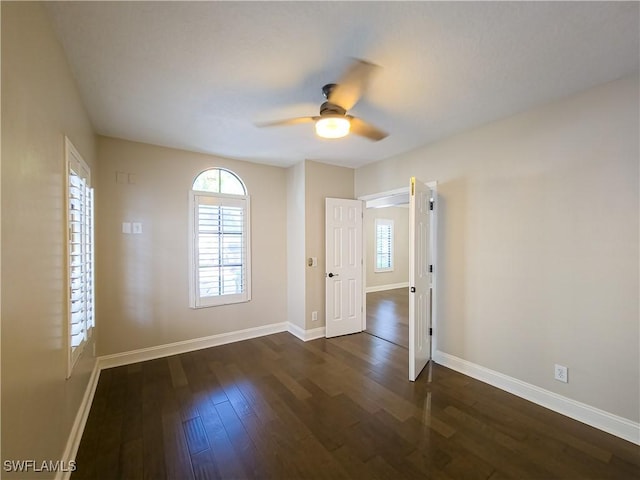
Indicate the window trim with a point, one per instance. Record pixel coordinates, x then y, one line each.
195 300
391 252
74 162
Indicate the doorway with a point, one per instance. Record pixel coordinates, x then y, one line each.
385 302
386 232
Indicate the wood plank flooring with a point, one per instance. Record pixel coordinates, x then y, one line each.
279 408
388 315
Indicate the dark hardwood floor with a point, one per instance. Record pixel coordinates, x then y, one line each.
388 315
279 408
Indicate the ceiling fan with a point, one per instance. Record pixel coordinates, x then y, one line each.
333 121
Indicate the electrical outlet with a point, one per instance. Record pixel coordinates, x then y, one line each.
314 316
561 373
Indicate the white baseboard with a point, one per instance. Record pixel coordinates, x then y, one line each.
600 419
391 286
77 429
151 353
306 335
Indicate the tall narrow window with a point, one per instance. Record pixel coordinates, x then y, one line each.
80 258
220 244
384 245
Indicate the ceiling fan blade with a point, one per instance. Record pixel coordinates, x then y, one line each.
288 121
352 84
364 129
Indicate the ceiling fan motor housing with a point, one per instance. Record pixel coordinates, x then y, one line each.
328 108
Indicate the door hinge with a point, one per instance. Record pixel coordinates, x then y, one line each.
430 331
430 268
431 205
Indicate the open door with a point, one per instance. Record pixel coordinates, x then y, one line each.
419 280
343 274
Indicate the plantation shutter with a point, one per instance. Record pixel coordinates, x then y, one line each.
221 249
384 245
80 254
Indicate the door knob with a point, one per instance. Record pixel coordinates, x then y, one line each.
331 275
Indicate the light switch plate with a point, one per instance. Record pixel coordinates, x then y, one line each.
126 227
137 228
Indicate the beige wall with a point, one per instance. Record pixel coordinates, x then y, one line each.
296 274
538 243
321 181
40 105
142 280
400 273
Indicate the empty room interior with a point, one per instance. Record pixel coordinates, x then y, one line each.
320 240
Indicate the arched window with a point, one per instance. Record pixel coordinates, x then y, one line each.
219 180
220 243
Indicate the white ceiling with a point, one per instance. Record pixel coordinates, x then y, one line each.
198 75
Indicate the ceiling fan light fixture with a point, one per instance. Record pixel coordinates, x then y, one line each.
333 127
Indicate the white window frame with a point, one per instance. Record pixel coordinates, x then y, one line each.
196 198
80 255
391 251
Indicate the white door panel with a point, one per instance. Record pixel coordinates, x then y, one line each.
343 235
419 278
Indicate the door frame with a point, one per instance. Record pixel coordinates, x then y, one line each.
390 198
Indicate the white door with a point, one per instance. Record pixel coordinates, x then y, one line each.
419 295
343 274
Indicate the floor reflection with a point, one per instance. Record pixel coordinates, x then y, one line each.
388 315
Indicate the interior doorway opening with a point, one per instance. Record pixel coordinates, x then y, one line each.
386 273
388 302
